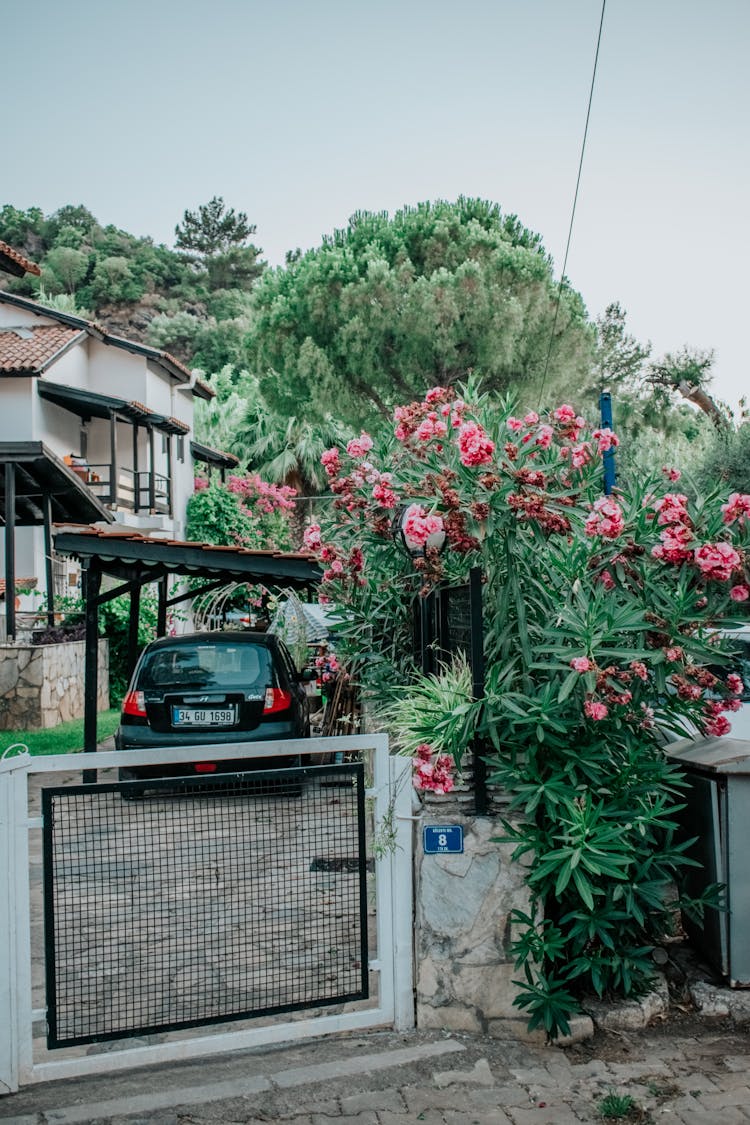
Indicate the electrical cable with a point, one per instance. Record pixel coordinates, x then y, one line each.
575 201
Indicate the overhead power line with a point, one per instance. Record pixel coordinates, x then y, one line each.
575 201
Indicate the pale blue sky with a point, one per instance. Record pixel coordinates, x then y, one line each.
301 113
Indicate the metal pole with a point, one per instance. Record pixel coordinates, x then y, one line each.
10 552
608 458
92 583
135 613
161 607
477 683
49 579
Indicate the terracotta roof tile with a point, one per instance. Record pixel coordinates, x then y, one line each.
26 351
23 585
7 251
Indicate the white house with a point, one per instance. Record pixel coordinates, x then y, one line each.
92 426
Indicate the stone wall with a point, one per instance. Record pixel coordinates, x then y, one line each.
463 904
42 685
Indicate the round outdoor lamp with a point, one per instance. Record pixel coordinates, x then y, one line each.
416 548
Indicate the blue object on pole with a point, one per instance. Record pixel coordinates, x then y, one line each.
608 458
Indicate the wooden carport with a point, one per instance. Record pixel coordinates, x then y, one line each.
135 561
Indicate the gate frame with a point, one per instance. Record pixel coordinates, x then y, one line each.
394 963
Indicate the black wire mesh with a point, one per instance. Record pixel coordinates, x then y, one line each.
202 900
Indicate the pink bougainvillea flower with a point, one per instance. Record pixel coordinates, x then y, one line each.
717 560
739 593
311 537
361 446
671 474
737 507
199 484
606 519
581 664
595 711
475 447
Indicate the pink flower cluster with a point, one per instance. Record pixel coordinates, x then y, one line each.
605 439
359 447
737 507
432 426
606 519
258 493
475 446
677 534
595 711
331 462
200 484
581 664
437 775
311 537
383 494
418 526
717 560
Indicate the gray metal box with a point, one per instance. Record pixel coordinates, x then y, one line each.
718 813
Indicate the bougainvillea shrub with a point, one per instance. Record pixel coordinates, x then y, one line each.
601 618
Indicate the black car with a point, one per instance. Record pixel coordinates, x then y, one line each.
203 688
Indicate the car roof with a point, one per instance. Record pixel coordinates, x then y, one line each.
219 636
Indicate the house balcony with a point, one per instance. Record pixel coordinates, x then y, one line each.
141 492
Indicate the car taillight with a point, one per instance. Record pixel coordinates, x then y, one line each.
134 704
276 700
205 767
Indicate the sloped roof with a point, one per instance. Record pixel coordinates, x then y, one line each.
13 262
29 351
119 550
172 366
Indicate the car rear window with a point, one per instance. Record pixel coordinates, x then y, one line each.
207 665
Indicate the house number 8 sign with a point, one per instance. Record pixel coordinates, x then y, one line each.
438 839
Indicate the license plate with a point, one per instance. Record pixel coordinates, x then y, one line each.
204 716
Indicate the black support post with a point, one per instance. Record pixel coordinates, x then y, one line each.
161 607
477 677
92 584
135 612
49 579
10 552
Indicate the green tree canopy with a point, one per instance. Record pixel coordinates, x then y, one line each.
216 237
388 307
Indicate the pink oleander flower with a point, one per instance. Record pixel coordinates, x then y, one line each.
544 436
607 580
739 593
581 664
423 752
514 425
737 507
639 669
671 474
605 439
718 726
735 683
437 776
606 519
431 427
475 447
331 462
580 455
717 560
359 447
595 711
311 537
436 394
328 552
673 654
383 494
565 413
675 546
419 527
531 418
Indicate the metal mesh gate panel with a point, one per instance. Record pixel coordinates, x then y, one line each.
202 900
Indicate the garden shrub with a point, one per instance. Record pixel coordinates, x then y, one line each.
601 617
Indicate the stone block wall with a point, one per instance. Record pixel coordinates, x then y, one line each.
42 685
464 970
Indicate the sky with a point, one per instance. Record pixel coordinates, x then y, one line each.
301 113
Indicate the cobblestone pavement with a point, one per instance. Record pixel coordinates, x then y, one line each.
688 1072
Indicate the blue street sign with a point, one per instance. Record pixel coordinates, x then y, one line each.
440 838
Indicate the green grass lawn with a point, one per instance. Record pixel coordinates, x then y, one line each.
67 738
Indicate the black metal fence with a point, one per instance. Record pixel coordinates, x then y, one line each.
203 900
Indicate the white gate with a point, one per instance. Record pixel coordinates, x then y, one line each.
389 794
